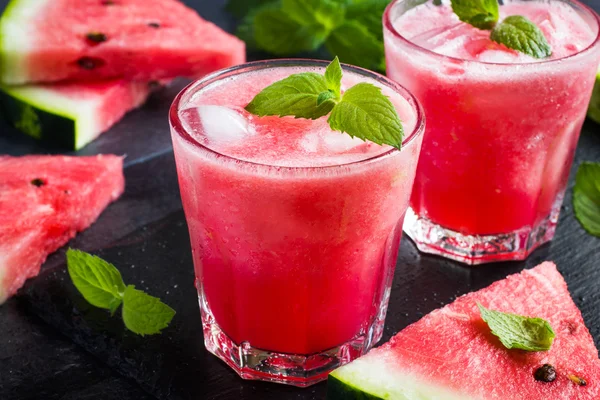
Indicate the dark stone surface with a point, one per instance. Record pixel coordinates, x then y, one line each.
82 353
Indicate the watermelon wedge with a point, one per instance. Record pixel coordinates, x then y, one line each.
70 115
144 40
450 354
44 202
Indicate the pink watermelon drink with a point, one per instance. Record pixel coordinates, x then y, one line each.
295 228
503 126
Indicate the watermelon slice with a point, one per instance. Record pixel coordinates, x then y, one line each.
44 202
450 354
70 114
52 40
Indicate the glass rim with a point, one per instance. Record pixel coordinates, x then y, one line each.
198 85
389 26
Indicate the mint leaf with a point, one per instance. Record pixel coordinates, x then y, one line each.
363 111
518 332
278 33
98 281
519 33
333 78
482 14
144 314
324 13
355 45
366 113
586 197
297 95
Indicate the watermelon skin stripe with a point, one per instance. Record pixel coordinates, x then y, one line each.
338 390
49 127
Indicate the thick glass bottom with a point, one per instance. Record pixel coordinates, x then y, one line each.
474 250
290 369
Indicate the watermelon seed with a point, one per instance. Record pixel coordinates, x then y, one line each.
155 25
545 373
577 380
96 37
108 3
90 62
37 182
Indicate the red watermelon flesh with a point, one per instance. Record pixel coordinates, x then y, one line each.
44 202
51 40
451 354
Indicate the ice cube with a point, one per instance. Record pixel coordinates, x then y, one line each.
499 57
310 143
216 124
338 142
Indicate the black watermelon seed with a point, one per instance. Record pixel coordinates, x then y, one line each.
37 182
155 25
90 63
108 3
96 37
545 373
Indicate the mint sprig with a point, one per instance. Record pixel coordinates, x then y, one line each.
291 27
101 284
363 111
586 197
515 32
519 33
519 332
482 14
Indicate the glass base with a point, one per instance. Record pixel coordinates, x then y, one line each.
290 369
474 250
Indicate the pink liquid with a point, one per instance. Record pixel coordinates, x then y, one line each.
500 139
291 256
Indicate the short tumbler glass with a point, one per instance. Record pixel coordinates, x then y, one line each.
293 265
499 144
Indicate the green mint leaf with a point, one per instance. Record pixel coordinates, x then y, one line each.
586 197
241 8
366 113
326 14
368 13
519 33
355 45
144 314
98 281
333 78
518 332
278 33
297 95
325 96
482 14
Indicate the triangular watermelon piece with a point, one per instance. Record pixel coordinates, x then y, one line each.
450 354
52 40
70 114
44 202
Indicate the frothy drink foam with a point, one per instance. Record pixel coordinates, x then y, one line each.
438 29
218 120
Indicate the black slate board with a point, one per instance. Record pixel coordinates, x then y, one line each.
144 233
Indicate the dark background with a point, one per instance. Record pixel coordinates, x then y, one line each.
55 346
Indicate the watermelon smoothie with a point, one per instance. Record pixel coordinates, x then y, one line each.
502 126
295 228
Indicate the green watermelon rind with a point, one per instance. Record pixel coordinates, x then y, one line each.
13 67
48 116
594 108
338 389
